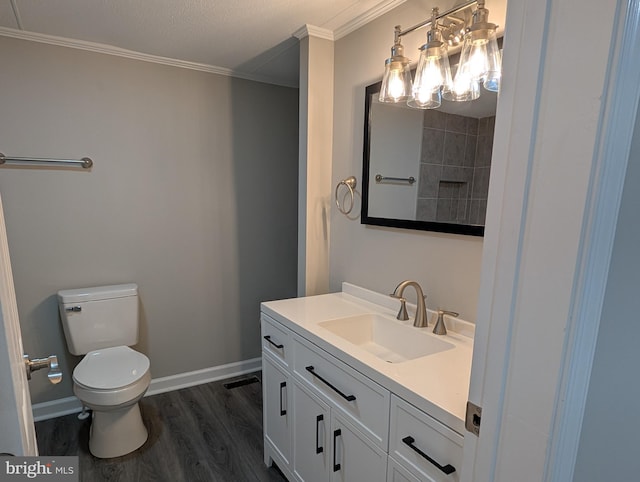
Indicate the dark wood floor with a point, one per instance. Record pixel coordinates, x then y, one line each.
203 433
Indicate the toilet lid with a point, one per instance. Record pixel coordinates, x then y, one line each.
110 368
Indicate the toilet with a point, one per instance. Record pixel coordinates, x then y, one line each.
102 323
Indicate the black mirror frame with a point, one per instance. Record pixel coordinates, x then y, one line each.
466 229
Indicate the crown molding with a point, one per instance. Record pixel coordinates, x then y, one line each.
368 16
131 54
313 31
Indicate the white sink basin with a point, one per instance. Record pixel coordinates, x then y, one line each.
387 339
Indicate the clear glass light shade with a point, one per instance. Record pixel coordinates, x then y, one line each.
396 83
482 57
464 87
426 100
433 76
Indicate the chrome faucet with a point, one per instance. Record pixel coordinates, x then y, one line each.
421 312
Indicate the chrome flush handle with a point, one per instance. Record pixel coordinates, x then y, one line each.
51 362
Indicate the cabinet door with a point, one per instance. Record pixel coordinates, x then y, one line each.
354 457
398 473
277 416
311 427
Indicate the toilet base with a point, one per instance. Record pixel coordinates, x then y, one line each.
117 432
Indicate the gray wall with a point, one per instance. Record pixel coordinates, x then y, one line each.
193 196
609 441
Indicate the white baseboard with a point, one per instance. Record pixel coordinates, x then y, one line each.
65 406
206 375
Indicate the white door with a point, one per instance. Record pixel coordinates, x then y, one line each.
563 130
16 420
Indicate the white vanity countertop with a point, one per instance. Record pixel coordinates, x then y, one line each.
438 384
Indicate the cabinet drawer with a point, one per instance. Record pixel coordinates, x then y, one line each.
365 402
276 340
423 444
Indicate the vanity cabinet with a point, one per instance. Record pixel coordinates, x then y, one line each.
324 421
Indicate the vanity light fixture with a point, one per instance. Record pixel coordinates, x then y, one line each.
433 75
480 60
480 54
396 83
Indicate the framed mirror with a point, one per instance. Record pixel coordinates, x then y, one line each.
427 169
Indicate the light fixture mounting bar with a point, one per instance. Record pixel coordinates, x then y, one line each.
451 11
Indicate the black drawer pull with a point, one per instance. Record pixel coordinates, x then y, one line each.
268 338
336 434
282 411
447 469
348 398
319 419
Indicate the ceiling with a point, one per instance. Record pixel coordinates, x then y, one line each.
247 38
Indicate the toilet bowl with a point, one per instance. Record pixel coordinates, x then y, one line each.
111 381
102 323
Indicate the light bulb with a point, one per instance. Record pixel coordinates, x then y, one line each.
478 63
396 85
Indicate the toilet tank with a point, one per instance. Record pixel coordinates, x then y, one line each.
99 317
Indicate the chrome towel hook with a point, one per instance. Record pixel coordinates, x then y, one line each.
351 183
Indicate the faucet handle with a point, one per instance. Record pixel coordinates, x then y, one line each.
402 314
440 328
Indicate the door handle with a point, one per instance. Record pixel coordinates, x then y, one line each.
283 411
51 362
319 448
336 433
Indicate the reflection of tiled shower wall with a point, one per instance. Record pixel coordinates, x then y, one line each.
454 168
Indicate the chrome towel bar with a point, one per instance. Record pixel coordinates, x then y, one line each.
85 162
380 178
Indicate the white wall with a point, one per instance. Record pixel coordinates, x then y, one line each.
193 196
609 439
314 198
447 266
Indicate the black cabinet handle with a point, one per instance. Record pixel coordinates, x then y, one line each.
319 419
348 398
268 338
282 412
447 469
336 434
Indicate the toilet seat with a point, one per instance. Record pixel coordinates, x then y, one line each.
112 368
